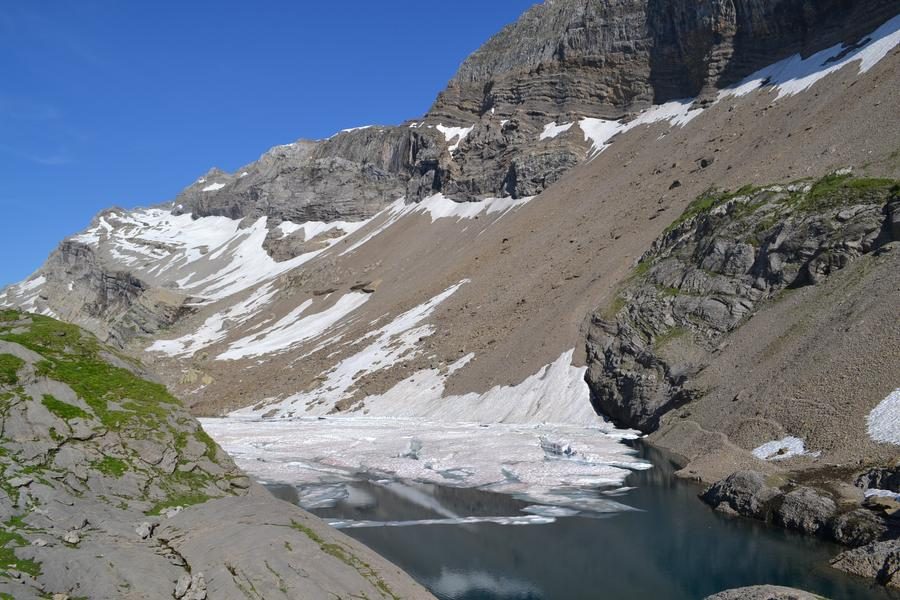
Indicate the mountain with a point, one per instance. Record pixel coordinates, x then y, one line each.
676 203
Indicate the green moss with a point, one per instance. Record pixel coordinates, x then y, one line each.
668 336
9 367
9 315
10 539
110 466
344 554
834 191
63 410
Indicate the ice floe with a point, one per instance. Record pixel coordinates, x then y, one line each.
504 458
884 420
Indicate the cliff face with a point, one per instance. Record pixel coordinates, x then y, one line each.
561 61
610 57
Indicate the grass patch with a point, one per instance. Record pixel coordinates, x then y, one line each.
63 410
668 336
10 539
110 466
9 367
347 557
834 191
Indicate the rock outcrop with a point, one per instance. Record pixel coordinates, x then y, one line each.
879 561
764 592
711 271
98 462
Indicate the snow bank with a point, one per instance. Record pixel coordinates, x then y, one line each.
213 187
398 340
455 133
782 449
551 130
293 330
884 420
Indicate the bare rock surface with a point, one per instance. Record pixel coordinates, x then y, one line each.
764 592
103 471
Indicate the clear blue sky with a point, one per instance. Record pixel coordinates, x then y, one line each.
104 102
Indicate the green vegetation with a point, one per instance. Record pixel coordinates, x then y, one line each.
668 336
74 357
10 539
344 555
110 466
116 398
63 410
834 191
9 367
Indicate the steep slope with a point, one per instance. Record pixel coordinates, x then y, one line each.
101 464
341 279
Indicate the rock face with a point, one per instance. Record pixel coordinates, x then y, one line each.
711 271
560 61
879 561
606 58
98 462
811 511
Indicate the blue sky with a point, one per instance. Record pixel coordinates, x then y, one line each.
108 103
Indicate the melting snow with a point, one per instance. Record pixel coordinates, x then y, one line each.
395 341
551 130
884 420
796 74
214 328
601 131
437 207
455 133
782 449
213 187
557 393
505 458
292 330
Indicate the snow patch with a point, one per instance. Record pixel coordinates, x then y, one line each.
213 187
884 420
391 343
782 449
454 133
797 74
551 130
292 330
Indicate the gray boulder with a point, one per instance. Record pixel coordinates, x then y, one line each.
764 592
879 561
806 510
745 493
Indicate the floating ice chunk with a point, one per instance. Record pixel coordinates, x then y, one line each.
517 520
213 187
884 420
557 449
551 130
782 449
550 511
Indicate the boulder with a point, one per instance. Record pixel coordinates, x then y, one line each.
744 492
879 561
806 510
764 592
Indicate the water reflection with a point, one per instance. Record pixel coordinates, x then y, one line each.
671 547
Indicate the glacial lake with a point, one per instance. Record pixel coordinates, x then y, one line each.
468 544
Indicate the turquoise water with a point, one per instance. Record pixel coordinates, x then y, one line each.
671 547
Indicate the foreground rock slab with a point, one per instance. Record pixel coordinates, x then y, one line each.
764 592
